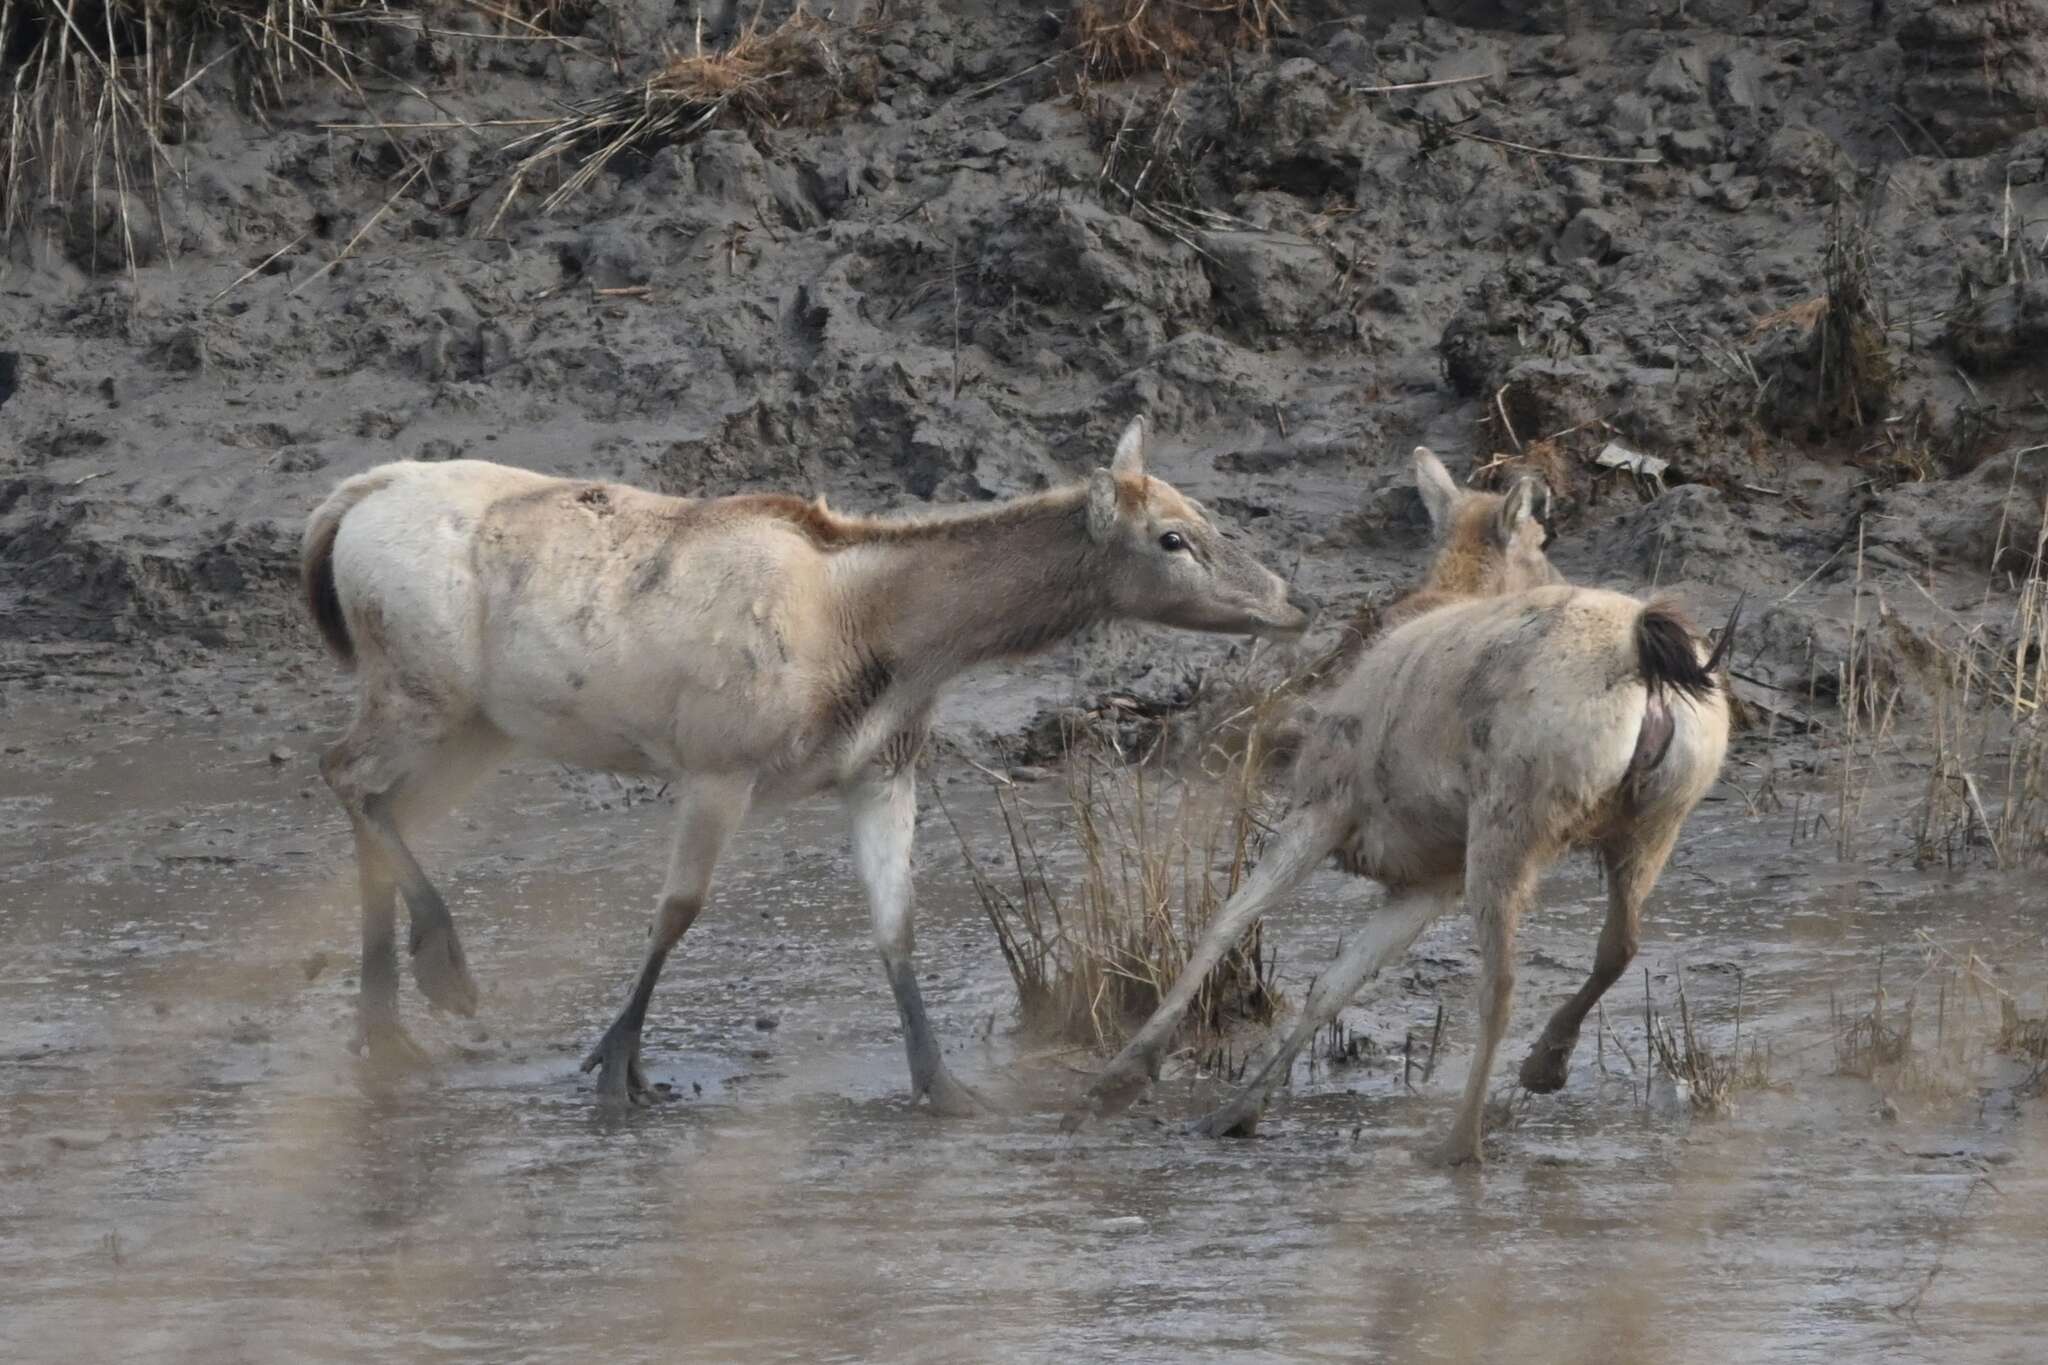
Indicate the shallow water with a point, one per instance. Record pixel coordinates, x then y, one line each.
192 1166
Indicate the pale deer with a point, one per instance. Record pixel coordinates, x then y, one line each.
750 650
1505 717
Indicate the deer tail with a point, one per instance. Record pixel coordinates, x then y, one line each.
316 561
1667 653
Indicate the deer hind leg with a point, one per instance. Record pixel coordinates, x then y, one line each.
707 812
883 816
1385 936
1632 860
1303 840
1501 866
398 768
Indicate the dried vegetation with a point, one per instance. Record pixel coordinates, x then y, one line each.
1708 1079
93 96
1968 697
93 93
792 73
1118 38
1824 368
1110 893
1934 1043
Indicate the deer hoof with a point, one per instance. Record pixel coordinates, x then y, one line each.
1238 1119
1112 1093
953 1100
621 1083
441 970
1547 1066
1453 1153
382 1042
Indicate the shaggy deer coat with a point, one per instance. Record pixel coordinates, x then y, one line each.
751 650
1495 726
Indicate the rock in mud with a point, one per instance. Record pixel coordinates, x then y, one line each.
608 257
1592 235
81 1139
1311 134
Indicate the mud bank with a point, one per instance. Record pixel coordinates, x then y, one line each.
948 288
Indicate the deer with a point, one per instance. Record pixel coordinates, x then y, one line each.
750 650
1505 717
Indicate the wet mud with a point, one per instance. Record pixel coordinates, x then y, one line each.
193 1167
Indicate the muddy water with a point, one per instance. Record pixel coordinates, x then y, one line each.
192 1167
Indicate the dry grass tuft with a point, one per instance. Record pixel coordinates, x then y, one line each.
1988 785
1803 317
1823 368
1973 1019
93 93
1854 356
92 99
792 73
1157 857
1709 1079
1118 38
1151 167
1544 458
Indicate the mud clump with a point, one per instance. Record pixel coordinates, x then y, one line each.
1074 254
1989 519
2005 328
1689 532
1977 70
1519 311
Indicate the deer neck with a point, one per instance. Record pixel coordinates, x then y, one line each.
953 593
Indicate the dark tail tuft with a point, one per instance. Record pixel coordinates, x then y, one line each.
1668 657
316 557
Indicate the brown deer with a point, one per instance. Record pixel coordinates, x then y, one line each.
1506 717
752 650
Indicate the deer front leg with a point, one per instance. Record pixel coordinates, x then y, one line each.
707 813
1385 936
1304 839
883 814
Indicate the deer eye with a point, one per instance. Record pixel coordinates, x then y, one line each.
1173 540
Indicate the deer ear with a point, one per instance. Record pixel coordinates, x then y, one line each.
1521 506
1439 491
1130 451
1101 505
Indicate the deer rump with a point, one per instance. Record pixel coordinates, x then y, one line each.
1560 705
